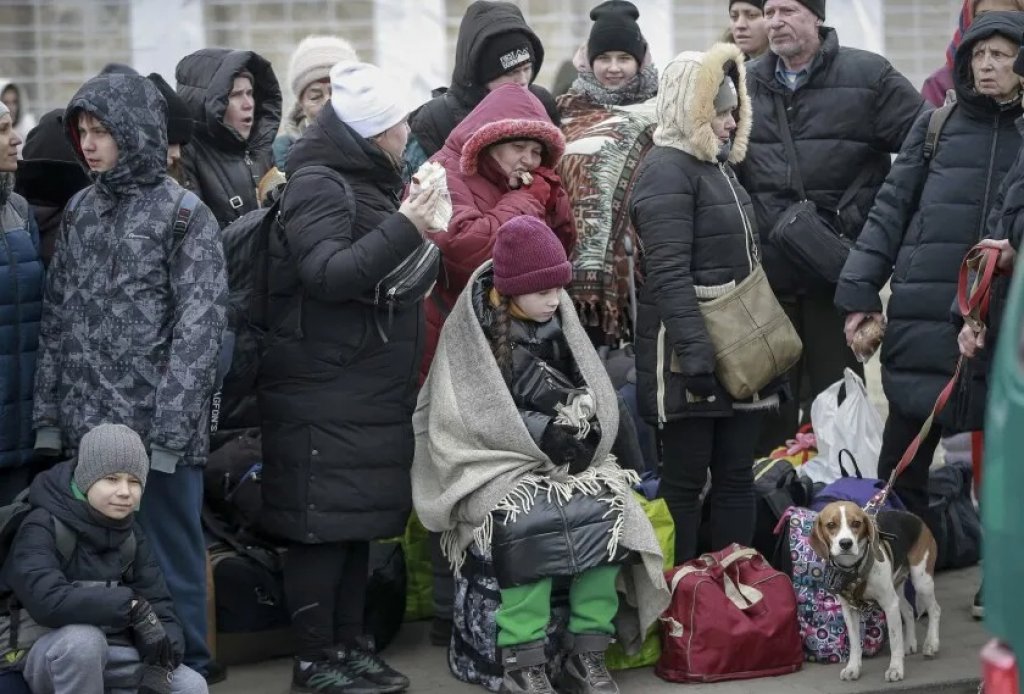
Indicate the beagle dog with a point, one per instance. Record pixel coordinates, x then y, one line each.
868 562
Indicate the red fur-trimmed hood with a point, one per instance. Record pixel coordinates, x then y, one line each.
509 112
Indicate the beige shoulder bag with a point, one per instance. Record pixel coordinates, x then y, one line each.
754 340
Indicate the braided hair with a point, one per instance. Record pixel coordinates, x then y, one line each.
501 342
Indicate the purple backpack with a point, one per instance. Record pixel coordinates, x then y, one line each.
856 489
818 613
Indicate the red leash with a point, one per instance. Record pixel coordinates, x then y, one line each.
973 299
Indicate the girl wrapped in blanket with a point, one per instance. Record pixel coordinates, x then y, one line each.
515 428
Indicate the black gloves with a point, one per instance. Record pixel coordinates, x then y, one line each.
149 636
561 445
700 385
155 680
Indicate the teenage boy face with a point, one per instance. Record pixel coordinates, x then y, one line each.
115 496
98 145
241 107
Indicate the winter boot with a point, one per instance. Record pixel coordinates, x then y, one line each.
324 676
526 670
360 661
585 671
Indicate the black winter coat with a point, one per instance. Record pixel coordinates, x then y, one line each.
222 168
851 114
336 400
37 575
691 217
433 122
925 219
692 233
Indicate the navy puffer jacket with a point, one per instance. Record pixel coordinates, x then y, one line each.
21 304
926 217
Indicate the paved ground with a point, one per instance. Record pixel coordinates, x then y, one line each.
955 670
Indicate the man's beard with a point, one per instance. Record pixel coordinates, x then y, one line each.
787 50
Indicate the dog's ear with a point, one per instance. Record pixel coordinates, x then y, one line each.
819 539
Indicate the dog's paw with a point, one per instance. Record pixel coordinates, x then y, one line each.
850 673
910 647
931 648
894 673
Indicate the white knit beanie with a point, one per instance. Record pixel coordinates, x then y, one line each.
313 59
366 98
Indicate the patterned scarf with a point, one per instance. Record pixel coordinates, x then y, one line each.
604 148
963 24
642 87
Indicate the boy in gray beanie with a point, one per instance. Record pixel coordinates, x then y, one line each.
81 564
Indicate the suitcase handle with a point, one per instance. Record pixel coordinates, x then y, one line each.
739 554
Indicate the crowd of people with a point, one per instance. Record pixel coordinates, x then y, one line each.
589 230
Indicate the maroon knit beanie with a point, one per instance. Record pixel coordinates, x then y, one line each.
529 258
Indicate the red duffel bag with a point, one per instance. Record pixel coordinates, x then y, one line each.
732 617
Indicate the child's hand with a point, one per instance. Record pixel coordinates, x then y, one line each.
149 636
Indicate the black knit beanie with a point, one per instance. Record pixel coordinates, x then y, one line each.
615 29
815 6
179 121
759 4
503 53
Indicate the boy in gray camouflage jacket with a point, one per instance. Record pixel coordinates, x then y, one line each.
132 319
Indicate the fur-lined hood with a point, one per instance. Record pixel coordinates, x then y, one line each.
686 103
508 113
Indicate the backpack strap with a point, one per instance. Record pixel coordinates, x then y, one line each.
184 210
936 122
67 541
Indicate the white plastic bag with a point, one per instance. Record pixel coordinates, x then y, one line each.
854 425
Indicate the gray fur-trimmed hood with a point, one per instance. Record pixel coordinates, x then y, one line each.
686 102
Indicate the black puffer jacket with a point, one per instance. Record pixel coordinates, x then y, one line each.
925 219
433 122
691 216
222 168
43 584
543 374
853 112
336 400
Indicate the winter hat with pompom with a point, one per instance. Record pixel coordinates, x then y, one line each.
529 258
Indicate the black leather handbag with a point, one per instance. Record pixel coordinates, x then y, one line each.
412 280
817 245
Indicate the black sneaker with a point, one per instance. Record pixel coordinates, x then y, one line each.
327 677
441 631
978 608
364 663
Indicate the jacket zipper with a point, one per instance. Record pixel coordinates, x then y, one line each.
13 269
568 537
660 371
988 181
252 177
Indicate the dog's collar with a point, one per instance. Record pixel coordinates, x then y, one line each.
850 583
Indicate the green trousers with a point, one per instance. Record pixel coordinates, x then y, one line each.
526 610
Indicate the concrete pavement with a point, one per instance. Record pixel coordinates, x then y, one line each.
955 670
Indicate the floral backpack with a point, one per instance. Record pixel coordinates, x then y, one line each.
818 612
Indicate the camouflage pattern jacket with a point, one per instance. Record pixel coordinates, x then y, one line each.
131 325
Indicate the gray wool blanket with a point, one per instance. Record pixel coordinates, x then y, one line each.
475 456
